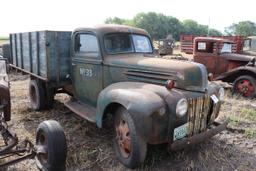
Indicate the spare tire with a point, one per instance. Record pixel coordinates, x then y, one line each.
51 146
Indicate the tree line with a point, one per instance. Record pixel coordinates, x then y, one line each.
159 26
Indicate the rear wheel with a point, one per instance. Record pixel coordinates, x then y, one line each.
130 148
245 86
37 95
51 146
41 98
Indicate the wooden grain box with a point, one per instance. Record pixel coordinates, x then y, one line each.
43 54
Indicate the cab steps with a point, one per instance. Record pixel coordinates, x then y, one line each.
84 110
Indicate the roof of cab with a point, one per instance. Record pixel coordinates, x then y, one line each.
112 28
213 39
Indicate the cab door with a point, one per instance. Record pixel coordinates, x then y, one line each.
206 53
86 67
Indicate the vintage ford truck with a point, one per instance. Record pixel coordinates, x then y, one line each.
112 70
224 64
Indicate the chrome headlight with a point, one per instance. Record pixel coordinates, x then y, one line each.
221 94
182 107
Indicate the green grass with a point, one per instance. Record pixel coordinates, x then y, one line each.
249 114
4 37
4 40
234 120
250 133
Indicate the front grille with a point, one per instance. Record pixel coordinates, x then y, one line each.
201 112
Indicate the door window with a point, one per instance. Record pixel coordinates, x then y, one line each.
87 44
207 47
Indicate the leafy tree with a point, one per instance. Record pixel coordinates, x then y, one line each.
159 25
191 27
214 32
243 28
114 20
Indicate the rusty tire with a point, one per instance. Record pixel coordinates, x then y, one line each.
129 147
37 95
245 86
51 147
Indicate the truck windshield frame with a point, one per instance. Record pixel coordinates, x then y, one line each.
122 43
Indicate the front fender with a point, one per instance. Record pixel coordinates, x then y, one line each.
140 102
231 75
5 100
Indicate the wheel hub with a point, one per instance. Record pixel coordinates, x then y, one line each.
245 87
42 151
123 138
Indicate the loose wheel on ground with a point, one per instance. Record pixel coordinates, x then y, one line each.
51 146
129 147
245 86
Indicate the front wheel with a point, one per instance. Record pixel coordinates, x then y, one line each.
51 147
245 86
130 148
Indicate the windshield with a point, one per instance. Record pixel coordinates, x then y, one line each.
127 43
226 48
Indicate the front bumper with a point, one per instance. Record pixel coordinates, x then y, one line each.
198 138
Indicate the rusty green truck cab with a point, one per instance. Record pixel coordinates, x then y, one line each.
114 71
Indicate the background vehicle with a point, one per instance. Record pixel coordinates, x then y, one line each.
249 46
50 150
219 58
187 42
165 46
111 70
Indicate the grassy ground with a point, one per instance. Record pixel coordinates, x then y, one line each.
90 148
3 40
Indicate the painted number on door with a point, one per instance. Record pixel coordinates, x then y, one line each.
86 72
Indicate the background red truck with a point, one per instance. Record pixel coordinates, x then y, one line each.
218 55
187 41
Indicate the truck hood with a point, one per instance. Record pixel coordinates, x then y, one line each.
187 75
237 57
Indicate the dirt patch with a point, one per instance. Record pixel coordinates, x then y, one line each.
90 148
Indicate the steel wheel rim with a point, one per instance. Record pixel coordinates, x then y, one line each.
42 150
245 87
123 137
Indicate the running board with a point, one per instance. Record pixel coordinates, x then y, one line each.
82 109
